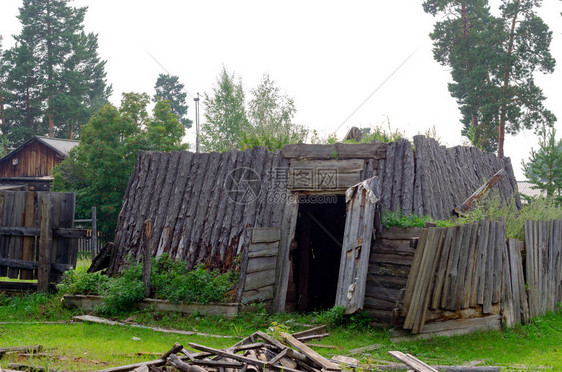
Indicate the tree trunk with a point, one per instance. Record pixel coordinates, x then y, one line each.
505 87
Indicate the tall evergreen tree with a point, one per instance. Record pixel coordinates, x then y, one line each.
169 88
56 80
493 60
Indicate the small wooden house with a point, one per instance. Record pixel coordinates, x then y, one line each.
30 166
299 223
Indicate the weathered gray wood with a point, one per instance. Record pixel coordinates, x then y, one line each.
32 265
257 295
510 311
261 263
489 273
460 285
482 190
45 244
499 249
414 272
412 362
28 245
259 279
265 235
335 151
450 285
146 258
486 322
471 267
311 354
399 233
362 201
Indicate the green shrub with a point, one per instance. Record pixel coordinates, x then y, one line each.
399 219
79 281
170 280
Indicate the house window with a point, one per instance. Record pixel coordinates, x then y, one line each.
14 161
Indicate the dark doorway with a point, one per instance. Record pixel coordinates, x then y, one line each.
316 252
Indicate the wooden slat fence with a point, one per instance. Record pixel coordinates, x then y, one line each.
543 265
455 269
36 226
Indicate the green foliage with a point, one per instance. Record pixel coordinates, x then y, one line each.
79 281
54 78
336 317
170 280
544 167
493 61
168 88
98 169
225 114
124 291
492 208
267 122
399 219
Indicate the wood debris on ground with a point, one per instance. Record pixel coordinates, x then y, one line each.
257 352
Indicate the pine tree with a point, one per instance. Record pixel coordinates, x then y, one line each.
544 167
56 80
168 88
493 60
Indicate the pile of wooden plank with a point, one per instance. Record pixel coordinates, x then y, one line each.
257 352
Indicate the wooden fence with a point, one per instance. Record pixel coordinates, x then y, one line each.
471 275
37 240
454 269
543 264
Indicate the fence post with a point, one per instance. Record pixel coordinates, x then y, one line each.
45 244
94 240
147 269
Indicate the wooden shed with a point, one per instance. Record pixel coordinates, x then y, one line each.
32 163
299 224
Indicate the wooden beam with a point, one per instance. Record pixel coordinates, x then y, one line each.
412 362
45 244
32 265
482 190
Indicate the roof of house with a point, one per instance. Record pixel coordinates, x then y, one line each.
527 188
59 145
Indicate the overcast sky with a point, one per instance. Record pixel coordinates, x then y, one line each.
329 56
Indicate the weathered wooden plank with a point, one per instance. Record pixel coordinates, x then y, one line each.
15 242
261 263
263 249
412 362
489 274
45 244
514 258
28 248
32 265
500 246
509 310
414 271
486 322
259 279
471 267
265 235
395 247
399 233
460 285
335 151
450 284
391 258
258 295
311 354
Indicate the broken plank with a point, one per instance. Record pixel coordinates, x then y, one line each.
412 362
311 354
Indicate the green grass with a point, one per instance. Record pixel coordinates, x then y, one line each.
82 347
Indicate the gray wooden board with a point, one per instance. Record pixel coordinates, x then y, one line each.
265 235
259 279
489 272
261 263
337 150
414 272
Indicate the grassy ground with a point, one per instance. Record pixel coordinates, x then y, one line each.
82 347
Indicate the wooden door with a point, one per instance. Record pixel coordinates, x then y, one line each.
361 205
